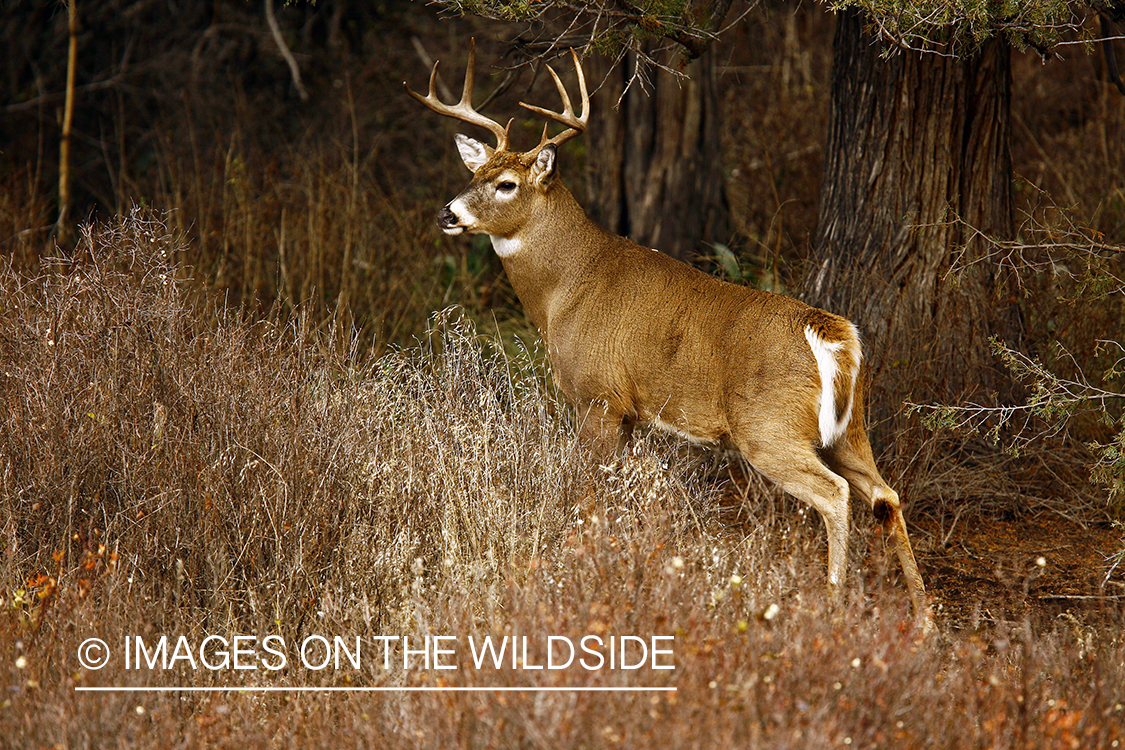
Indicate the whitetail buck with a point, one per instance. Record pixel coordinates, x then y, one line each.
636 336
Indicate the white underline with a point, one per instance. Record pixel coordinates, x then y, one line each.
434 689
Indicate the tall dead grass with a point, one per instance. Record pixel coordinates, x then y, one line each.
319 227
166 469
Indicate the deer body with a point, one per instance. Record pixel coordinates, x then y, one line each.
635 336
628 327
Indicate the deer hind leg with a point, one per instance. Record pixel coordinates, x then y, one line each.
853 460
802 474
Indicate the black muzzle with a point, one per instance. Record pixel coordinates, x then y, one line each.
446 218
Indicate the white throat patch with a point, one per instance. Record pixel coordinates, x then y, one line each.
505 247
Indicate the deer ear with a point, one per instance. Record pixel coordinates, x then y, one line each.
473 152
543 170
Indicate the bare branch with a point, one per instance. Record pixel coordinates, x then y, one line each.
294 71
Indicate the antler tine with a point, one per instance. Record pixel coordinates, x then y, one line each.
470 75
568 108
575 124
462 110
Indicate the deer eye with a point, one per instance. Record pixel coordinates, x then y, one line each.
506 186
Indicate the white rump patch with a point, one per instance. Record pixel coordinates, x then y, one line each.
505 246
831 428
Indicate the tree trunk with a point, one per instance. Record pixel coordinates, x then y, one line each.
653 168
918 156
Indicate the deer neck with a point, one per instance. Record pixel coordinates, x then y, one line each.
549 252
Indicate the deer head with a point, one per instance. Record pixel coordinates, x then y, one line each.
507 185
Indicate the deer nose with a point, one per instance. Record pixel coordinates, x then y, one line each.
446 218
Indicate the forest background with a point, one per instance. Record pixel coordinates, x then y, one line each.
231 407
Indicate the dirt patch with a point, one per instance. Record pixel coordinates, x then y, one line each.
1041 567
983 569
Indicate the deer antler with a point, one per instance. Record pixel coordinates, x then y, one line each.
575 124
463 110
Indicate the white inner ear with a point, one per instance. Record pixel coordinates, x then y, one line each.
544 164
473 152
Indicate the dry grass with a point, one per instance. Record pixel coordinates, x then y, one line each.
168 470
317 229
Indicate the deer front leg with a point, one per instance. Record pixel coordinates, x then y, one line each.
605 431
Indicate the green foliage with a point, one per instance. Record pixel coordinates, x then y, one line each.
757 272
611 26
959 27
649 13
505 11
1109 471
729 263
1050 404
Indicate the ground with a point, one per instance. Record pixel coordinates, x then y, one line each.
984 568
988 571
